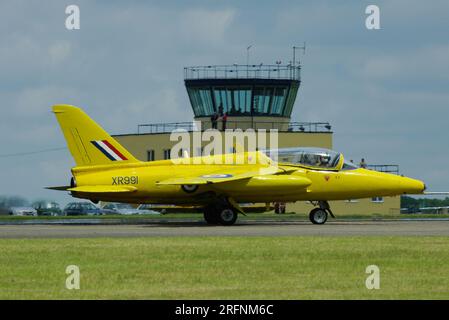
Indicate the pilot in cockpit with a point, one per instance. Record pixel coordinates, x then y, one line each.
323 161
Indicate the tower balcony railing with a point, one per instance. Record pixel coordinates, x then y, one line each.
388 168
306 127
237 71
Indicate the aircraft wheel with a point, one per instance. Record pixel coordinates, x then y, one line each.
318 216
227 216
189 188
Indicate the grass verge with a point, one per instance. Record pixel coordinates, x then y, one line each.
226 268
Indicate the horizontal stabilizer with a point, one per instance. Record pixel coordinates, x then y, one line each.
59 188
103 189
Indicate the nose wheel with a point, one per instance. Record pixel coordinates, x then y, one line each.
319 215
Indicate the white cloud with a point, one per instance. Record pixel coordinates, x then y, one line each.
424 63
36 101
205 26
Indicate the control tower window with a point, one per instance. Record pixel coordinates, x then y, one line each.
245 101
278 101
260 91
290 99
262 100
201 101
234 101
223 99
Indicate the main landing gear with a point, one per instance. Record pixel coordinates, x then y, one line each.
319 215
221 213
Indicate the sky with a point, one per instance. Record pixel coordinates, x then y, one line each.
385 92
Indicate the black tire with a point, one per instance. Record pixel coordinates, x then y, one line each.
226 216
318 216
210 215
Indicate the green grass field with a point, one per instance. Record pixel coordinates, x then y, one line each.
226 268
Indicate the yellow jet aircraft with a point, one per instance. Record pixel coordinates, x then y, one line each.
106 171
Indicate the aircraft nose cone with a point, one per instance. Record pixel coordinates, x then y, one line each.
413 186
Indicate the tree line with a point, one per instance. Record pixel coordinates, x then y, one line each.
416 203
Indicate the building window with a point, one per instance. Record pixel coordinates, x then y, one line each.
183 153
166 154
150 155
377 199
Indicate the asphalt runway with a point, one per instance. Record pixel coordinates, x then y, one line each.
246 228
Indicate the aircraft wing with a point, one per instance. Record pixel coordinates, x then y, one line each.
221 176
103 189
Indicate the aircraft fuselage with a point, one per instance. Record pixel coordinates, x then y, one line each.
297 184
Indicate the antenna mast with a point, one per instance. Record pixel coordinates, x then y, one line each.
303 48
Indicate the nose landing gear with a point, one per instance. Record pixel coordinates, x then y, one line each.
319 215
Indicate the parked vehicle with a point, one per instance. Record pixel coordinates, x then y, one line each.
148 209
81 208
166 208
22 211
119 208
47 208
279 207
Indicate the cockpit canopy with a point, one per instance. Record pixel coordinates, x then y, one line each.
310 157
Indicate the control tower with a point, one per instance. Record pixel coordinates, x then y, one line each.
252 96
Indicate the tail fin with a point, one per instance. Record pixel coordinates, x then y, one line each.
88 143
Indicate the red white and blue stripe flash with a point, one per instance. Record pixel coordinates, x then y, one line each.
109 150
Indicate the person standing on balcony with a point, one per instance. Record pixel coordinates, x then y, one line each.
224 118
214 119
